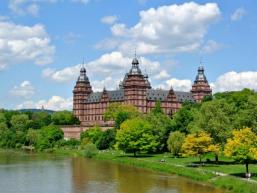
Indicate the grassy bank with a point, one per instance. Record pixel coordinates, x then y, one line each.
225 175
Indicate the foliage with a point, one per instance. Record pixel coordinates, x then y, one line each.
175 142
136 135
91 135
106 140
32 136
161 126
90 150
198 144
183 118
64 118
19 122
120 113
214 117
157 108
242 146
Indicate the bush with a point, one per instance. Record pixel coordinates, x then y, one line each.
106 140
90 150
175 142
91 135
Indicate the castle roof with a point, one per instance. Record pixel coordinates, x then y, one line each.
152 94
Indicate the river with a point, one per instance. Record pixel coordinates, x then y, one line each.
41 173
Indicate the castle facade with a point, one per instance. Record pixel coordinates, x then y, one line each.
135 89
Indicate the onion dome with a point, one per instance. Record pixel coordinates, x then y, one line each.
83 76
135 67
200 76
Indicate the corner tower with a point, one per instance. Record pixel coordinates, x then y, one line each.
201 87
81 91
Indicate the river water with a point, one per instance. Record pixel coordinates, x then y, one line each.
33 173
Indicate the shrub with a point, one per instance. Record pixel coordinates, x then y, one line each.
106 140
90 150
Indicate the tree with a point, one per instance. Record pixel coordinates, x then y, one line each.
106 140
39 120
136 135
32 136
19 122
120 112
161 126
214 117
198 144
242 146
91 135
64 118
175 142
157 108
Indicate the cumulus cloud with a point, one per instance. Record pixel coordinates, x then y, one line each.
235 81
110 19
113 65
54 103
238 14
184 26
210 46
177 84
20 44
24 90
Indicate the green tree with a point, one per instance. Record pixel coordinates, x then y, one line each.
198 144
39 120
106 140
64 118
175 142
242 146
32 136
136 135
91 135
157 108
214 117
120 112
90 150
19 122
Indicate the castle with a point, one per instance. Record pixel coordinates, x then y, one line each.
135 89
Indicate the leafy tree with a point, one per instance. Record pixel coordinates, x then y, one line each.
175 142
91 135
3 127
39 120
48 137
120 112
198 144
32 136
161 125
136 135
64 118
183 118
19 122
2 118
242 146
106 140
215 118
7 139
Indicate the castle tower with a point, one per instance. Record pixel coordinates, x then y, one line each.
135 86
80 93
201 87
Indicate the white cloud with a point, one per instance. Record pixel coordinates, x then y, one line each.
113 64
238 14
110 19
235 81
184 26
33 9
210 46
54 103
85 2
177 84
162 75
24 90
22 44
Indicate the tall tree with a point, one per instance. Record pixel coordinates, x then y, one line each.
175 142
242 146
136 135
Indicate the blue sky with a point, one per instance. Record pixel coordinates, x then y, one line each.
43 43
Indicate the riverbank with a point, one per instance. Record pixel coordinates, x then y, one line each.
223 175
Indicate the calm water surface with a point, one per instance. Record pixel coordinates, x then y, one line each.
30 173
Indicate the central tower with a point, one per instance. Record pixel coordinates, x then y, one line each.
135 87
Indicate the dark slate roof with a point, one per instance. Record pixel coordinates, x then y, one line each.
115 95
152 94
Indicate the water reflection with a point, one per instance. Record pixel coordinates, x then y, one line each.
30 173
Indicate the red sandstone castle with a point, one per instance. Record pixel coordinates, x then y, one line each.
135 89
